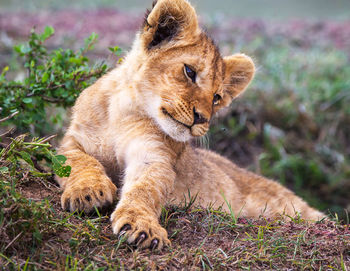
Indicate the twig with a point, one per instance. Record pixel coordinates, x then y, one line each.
44 140
52 100
36 144
37 166
14 239
8 132
9 117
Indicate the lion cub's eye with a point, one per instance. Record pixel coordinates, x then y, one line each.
216 99
190 73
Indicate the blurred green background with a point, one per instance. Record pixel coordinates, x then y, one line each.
293 123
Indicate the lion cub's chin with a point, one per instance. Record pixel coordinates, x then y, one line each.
199 130
175 130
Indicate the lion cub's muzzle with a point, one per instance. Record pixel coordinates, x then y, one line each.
200 124
197 123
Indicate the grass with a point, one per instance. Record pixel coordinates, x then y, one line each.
47 238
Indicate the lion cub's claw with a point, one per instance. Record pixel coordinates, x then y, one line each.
142 237
85 195
139 230
154 243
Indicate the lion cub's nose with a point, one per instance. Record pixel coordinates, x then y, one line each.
198 118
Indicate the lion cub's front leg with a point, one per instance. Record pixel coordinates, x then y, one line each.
149 177
88 186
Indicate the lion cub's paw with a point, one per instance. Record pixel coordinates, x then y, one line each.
86 193
140 229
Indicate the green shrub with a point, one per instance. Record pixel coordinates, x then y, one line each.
54 79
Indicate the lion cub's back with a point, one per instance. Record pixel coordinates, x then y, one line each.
258 194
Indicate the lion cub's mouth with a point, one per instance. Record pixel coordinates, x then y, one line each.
165 112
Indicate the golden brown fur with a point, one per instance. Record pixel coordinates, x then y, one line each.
133 126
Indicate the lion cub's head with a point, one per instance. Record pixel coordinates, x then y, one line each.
182 76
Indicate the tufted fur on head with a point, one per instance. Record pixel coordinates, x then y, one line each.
169 21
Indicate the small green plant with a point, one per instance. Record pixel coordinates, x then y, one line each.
53 79
20 154
234 217
23 222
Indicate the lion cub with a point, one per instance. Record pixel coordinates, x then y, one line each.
133 126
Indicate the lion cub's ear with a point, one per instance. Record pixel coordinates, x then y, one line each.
169 22
239 72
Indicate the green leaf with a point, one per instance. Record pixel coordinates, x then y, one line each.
90 41
74 60
45 77
26 157
48 32
62 171
4 70
27 100
22 49
58 166
116 50
59 159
